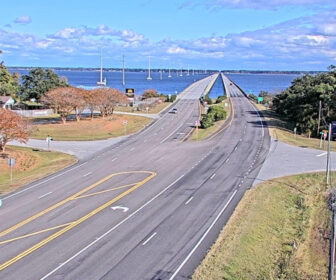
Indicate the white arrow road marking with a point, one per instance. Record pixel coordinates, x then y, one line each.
125 209
87 174
321 155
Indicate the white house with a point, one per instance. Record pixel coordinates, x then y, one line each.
6 102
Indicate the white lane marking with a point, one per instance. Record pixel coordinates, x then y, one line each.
321 155
227 160
111 229
171 133
235 148
213 176
87 174
34 186
132 149
190 199
149 238
123 208
114 159
203 236
45 195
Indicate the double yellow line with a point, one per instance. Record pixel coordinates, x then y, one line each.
75 223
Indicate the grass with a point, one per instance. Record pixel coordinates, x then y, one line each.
87 129
283 131
152 110
204 133
29 166
279 230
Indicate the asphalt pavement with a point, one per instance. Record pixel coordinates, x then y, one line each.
148 207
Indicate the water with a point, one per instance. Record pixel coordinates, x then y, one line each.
217 89
250 83
136 80
254 83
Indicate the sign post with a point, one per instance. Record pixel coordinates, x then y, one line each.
11 163
48 140
125 126
294 132
197 123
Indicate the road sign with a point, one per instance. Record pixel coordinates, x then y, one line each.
325 134
0 202
130 92
197 123
124 122
260 99
11 161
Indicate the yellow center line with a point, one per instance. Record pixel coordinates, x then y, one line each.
109 190
53 207
32 234
76 223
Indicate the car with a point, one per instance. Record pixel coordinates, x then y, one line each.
174 111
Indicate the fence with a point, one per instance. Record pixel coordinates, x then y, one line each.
35 113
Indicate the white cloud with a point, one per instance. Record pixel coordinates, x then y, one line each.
259 4
23 20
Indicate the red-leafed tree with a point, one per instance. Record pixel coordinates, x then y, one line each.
90 101
107 99
64 100
12 127
150 93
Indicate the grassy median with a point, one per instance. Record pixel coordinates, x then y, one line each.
204 133
157 108
279 230
29 166
87 129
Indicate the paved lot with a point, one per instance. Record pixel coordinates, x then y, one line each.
284 160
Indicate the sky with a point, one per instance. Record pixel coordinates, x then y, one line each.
199 34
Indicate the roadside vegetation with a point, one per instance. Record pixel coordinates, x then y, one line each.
91 129
212 121
29 166
279 230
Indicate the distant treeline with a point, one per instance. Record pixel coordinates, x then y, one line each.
209 71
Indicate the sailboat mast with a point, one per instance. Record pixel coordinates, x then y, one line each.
123 71
101 67
149 74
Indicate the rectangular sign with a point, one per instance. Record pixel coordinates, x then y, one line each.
130 92
260 99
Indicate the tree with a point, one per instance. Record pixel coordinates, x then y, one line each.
150 93
107 99
12 127
91 101
9 84
62 99
40 81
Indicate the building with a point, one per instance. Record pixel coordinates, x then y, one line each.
6 102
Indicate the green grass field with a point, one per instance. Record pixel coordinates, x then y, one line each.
279 230
86 129
30 166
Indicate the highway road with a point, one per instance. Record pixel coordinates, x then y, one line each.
147 208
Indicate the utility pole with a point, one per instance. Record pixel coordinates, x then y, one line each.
319 118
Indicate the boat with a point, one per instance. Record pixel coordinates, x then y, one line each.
101 83
149 72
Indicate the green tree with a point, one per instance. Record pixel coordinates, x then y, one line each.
40 81
299 104
9 84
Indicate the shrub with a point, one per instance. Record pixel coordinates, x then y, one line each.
220 99
207 121
208 99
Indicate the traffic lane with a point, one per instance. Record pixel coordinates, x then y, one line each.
144 222
68 246
25 234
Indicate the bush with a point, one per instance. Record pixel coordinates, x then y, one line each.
218 113
150 93
220 99
215 113
208 99
172 98
207 121
252 96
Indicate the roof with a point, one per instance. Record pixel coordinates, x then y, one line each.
5 99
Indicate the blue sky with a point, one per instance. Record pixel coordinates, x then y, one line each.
208 34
